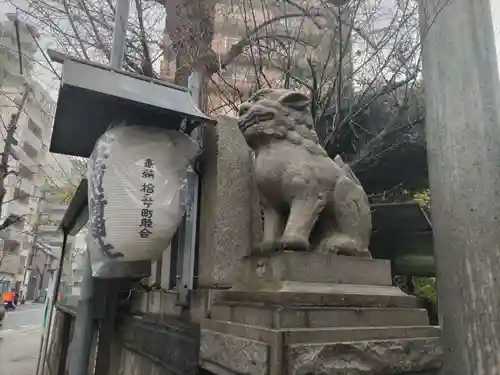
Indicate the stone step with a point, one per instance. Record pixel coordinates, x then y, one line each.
328 295
275 316
321 335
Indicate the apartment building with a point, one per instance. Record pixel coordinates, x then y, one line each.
29 159
58 179
277 54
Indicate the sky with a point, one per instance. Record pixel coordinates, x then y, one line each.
51 86
495 7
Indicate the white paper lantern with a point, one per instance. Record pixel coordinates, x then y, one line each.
137 178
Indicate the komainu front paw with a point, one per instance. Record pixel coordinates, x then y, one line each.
342 244
295 243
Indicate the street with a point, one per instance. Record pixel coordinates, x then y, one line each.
20 340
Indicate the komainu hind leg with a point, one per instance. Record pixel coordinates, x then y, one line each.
304 212
346 226
330 240
274 225
353 216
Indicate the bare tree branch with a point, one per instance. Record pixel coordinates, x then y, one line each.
360 63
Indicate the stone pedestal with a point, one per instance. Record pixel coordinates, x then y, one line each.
302 313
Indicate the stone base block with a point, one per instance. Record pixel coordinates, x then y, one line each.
274 270
316 294
228 348
397 356
317 314
281 317
320 335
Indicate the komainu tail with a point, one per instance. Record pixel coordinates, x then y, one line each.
346 168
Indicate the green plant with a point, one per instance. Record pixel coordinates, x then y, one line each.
425 288
423 198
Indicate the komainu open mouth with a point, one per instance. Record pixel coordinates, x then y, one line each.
253 117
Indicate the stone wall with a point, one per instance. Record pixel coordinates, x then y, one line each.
152 345
159 337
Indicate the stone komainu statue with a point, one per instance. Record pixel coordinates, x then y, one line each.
309 200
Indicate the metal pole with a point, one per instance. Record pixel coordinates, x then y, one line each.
84 324
32 252
55 292
9 141
119 34
187 235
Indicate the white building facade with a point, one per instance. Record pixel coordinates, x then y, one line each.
34 166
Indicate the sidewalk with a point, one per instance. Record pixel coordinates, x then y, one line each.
18 353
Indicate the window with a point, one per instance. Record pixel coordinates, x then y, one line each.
22 262
11 246
240 73
35 128
21 195
25 172
30 150
19 224
4 285
46 118
11 57
229 41
27 244
231 8
12 80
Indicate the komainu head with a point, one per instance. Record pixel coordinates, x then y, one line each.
272 114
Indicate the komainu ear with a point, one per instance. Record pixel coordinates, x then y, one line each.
295 100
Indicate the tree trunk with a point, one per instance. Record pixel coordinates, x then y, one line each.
190 28
463 141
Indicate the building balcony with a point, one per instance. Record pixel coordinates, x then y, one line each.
9 60
21 196
53 209
42 118
30 133
237 27
48 228
25 153
10 246
14 207
10 264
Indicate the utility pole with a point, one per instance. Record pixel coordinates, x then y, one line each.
32 252
46 265
9 141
